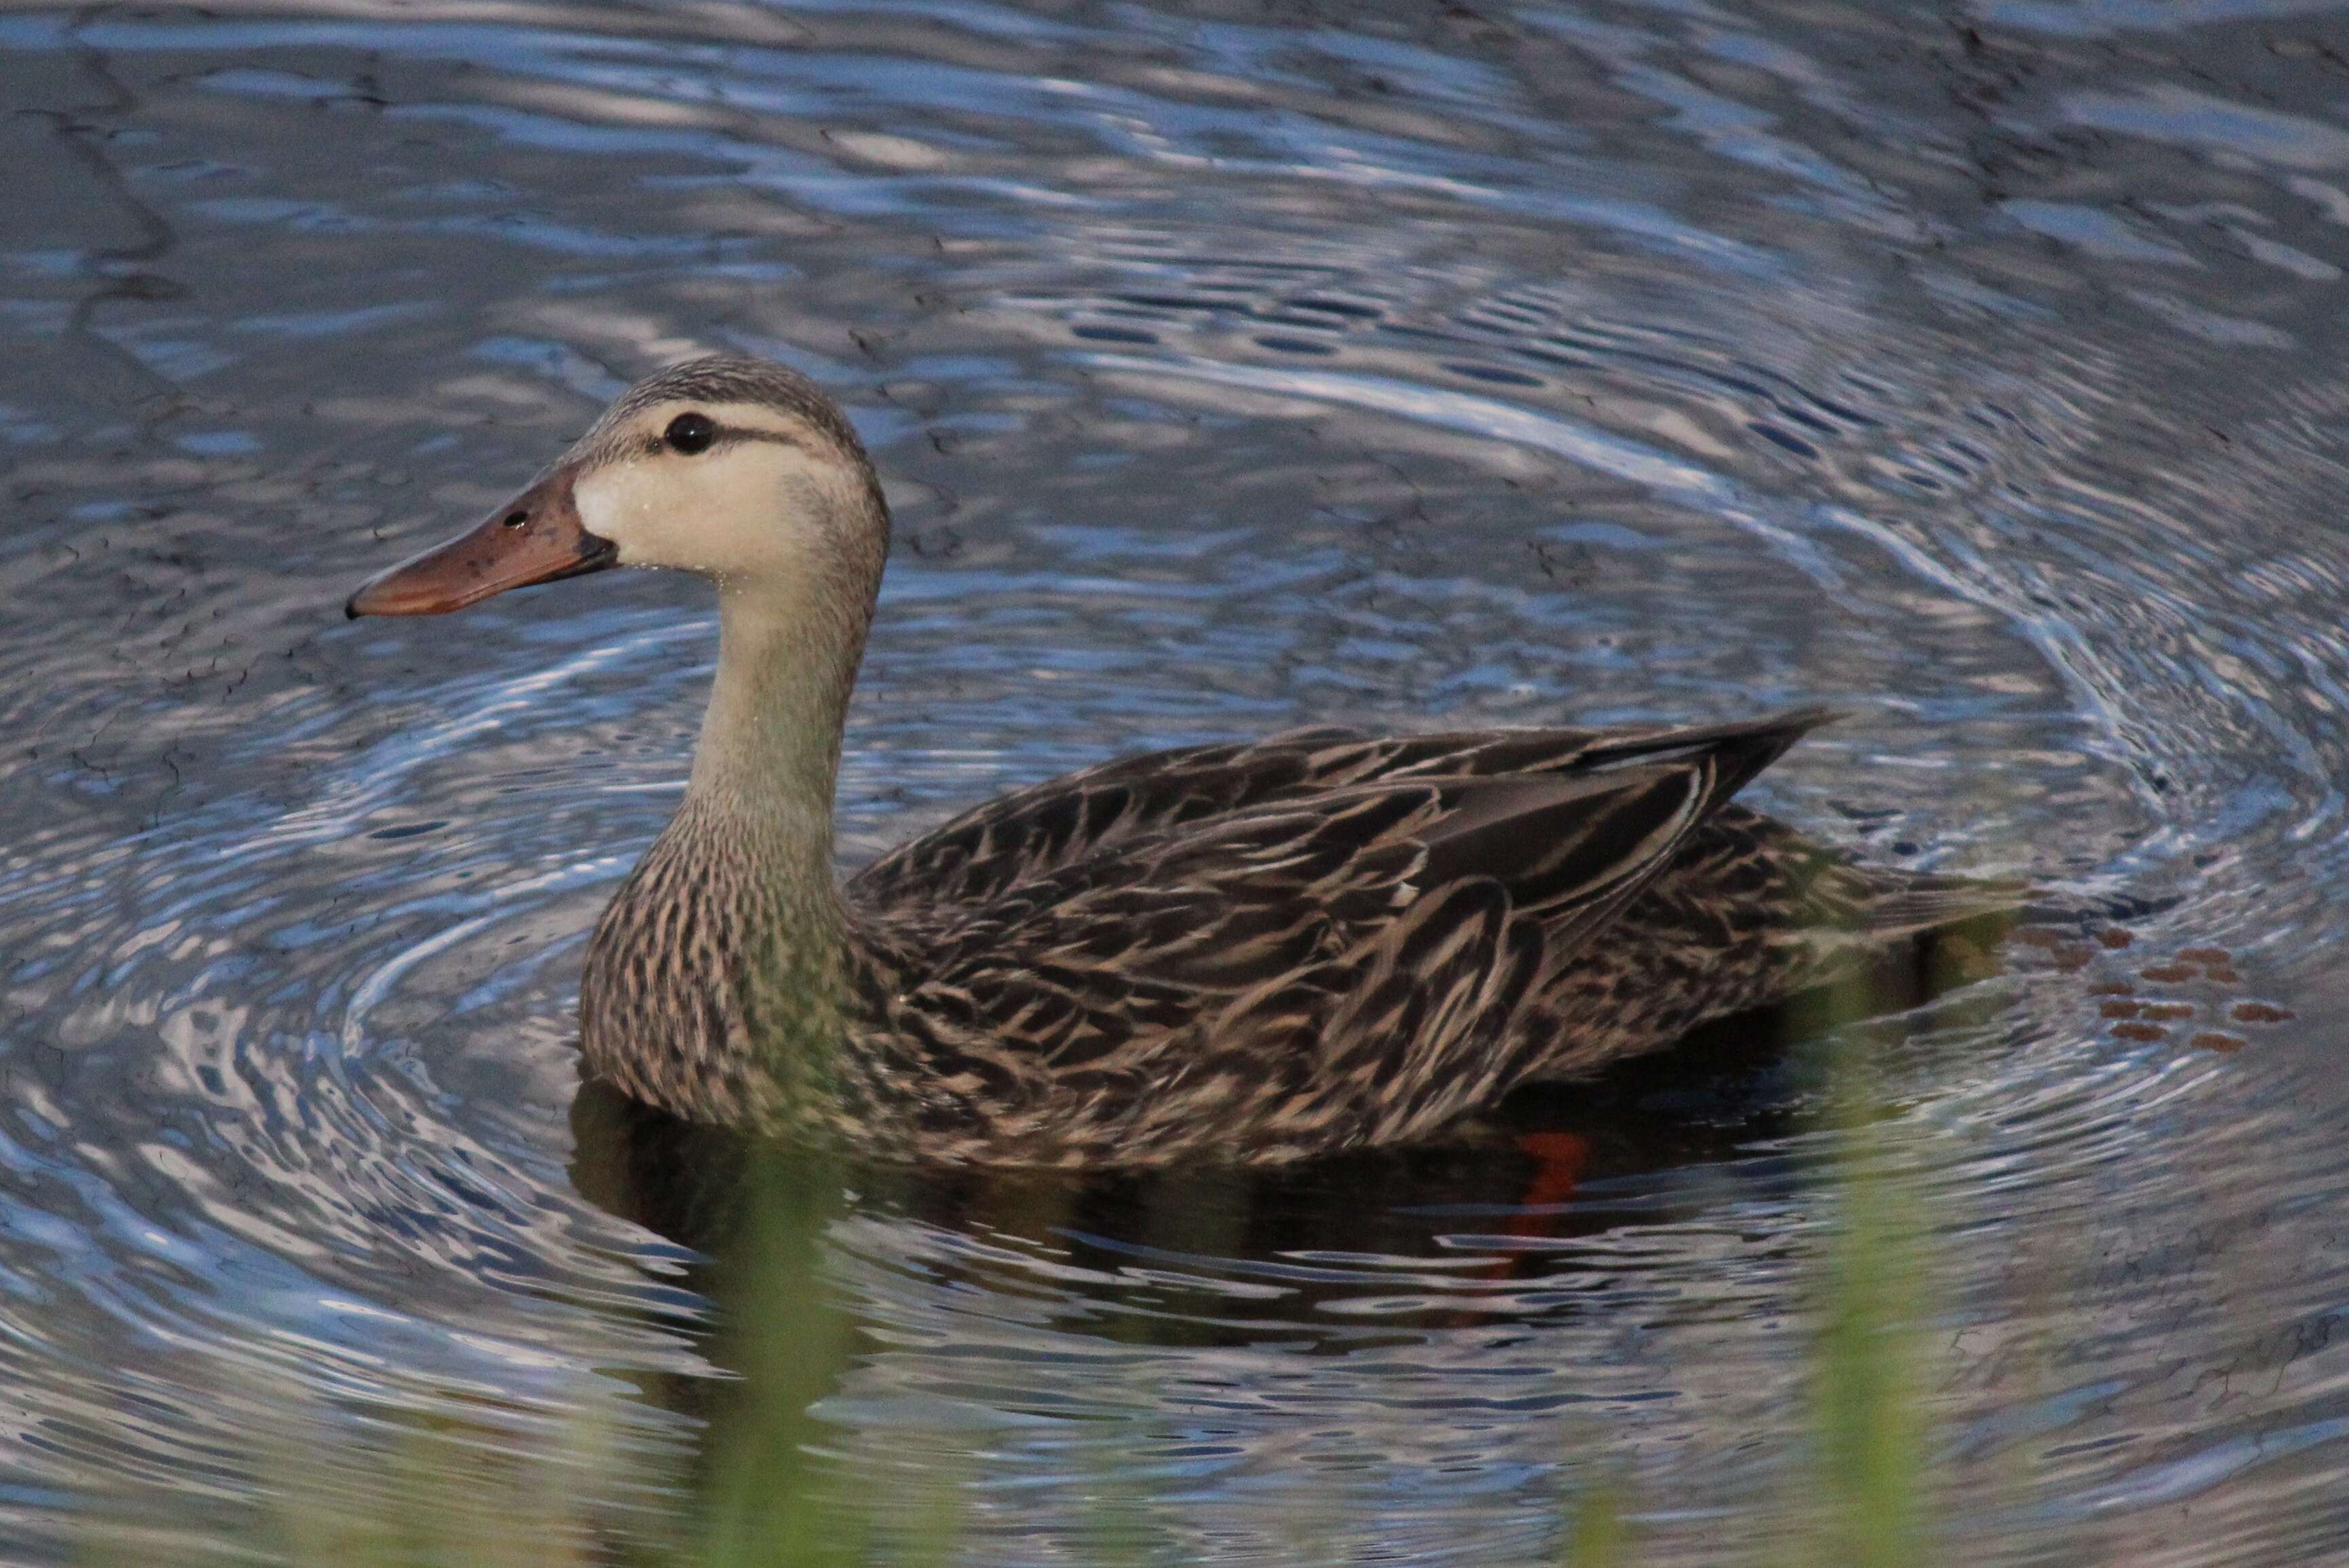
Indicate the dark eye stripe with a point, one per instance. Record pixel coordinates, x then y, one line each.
657 442
728 436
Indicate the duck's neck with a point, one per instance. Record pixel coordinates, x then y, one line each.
728 965
758 808
769 755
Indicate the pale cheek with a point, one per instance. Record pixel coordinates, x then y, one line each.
736 514
608 511
653 517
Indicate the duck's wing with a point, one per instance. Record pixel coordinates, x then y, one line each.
1377 923
1034 832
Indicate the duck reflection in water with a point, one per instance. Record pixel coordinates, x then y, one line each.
1321 944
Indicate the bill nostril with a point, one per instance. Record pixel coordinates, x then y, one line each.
517 519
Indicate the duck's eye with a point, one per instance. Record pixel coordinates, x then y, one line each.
690 433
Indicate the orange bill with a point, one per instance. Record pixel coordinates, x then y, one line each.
537 537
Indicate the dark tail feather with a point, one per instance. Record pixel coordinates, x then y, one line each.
1741 750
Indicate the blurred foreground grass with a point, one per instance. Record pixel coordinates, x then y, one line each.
1864 1498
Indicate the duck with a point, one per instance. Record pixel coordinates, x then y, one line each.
1255 952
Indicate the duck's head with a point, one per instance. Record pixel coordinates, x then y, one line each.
733 468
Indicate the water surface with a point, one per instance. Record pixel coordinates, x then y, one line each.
1976 369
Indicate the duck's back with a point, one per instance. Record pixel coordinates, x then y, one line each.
1323 939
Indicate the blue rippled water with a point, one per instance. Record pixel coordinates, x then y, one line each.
1977 369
